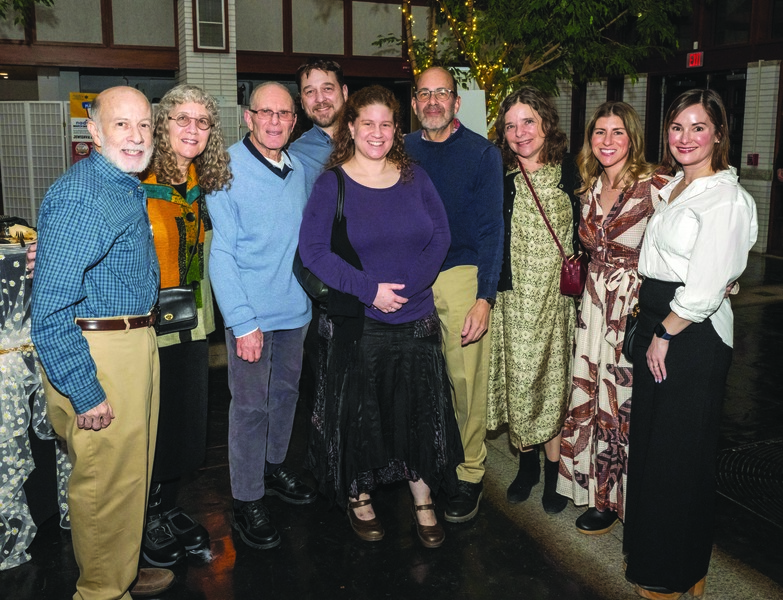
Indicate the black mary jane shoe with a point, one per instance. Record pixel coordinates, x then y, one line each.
596 522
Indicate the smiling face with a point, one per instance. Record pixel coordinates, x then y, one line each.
123 130
435 115
524 133
322 97
692 138
270 135
610 143
373 131
188 142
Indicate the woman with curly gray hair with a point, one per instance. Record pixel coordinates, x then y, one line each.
189 161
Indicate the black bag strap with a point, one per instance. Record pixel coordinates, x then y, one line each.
194 248
338 216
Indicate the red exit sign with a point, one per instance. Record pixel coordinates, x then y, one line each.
695 59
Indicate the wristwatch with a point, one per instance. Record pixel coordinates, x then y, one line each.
661 332
490 301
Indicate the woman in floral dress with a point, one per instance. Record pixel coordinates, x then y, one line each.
619 195
532 322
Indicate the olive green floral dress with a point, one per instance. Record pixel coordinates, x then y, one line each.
533 324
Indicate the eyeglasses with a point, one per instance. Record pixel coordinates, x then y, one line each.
266 114
184 120
441 94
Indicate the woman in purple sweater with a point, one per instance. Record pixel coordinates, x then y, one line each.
383 410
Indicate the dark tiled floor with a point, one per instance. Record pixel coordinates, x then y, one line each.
499 555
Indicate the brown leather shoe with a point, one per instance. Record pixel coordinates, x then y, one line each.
152 581
369 531
431 536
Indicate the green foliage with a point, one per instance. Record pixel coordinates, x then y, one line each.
511 43
21 9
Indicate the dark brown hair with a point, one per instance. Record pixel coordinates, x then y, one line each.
319 64
711 101
555 142
342 142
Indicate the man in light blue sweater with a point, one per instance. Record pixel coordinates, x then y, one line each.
323 92
256 227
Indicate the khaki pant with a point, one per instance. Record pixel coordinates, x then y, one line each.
468 366
107 492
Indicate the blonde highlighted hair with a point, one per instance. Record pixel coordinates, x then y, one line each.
636 167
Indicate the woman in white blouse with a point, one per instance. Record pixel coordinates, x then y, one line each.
696 243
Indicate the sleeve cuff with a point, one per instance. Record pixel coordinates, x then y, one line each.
694 316
88 397
245 334
487 289
244 329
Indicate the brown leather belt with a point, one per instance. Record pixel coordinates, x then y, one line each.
116 323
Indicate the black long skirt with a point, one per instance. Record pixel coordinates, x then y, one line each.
670 502
383 411
182 425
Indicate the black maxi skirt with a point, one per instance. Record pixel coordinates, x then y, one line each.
182 425
670 503
383 411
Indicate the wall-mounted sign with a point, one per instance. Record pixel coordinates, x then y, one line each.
81 140
695 59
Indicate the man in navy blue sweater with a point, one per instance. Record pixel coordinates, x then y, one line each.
467 171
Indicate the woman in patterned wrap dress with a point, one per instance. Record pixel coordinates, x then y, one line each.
532 322
619 194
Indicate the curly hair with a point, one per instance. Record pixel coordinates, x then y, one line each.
555 141
712 104
212 164
635 168
342 142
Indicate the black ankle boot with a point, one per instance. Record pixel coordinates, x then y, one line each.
552 501
528 475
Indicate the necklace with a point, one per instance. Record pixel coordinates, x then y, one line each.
607 184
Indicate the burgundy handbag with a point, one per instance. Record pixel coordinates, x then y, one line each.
573 271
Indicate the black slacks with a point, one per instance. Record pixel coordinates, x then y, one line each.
674 429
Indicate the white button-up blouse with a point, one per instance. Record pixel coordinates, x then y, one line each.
702 239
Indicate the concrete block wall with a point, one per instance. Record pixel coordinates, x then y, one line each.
761 109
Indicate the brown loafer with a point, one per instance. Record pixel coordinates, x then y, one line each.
431 536
151 582
369 531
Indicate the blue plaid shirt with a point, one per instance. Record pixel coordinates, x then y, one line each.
95 259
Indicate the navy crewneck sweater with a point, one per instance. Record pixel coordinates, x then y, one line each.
467 171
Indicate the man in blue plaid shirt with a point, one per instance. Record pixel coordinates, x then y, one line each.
96 281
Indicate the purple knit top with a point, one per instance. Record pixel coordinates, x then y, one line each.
400 233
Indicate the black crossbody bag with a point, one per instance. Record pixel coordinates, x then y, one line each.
177 305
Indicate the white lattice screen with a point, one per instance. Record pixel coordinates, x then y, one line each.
32 153
232 123
34 146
